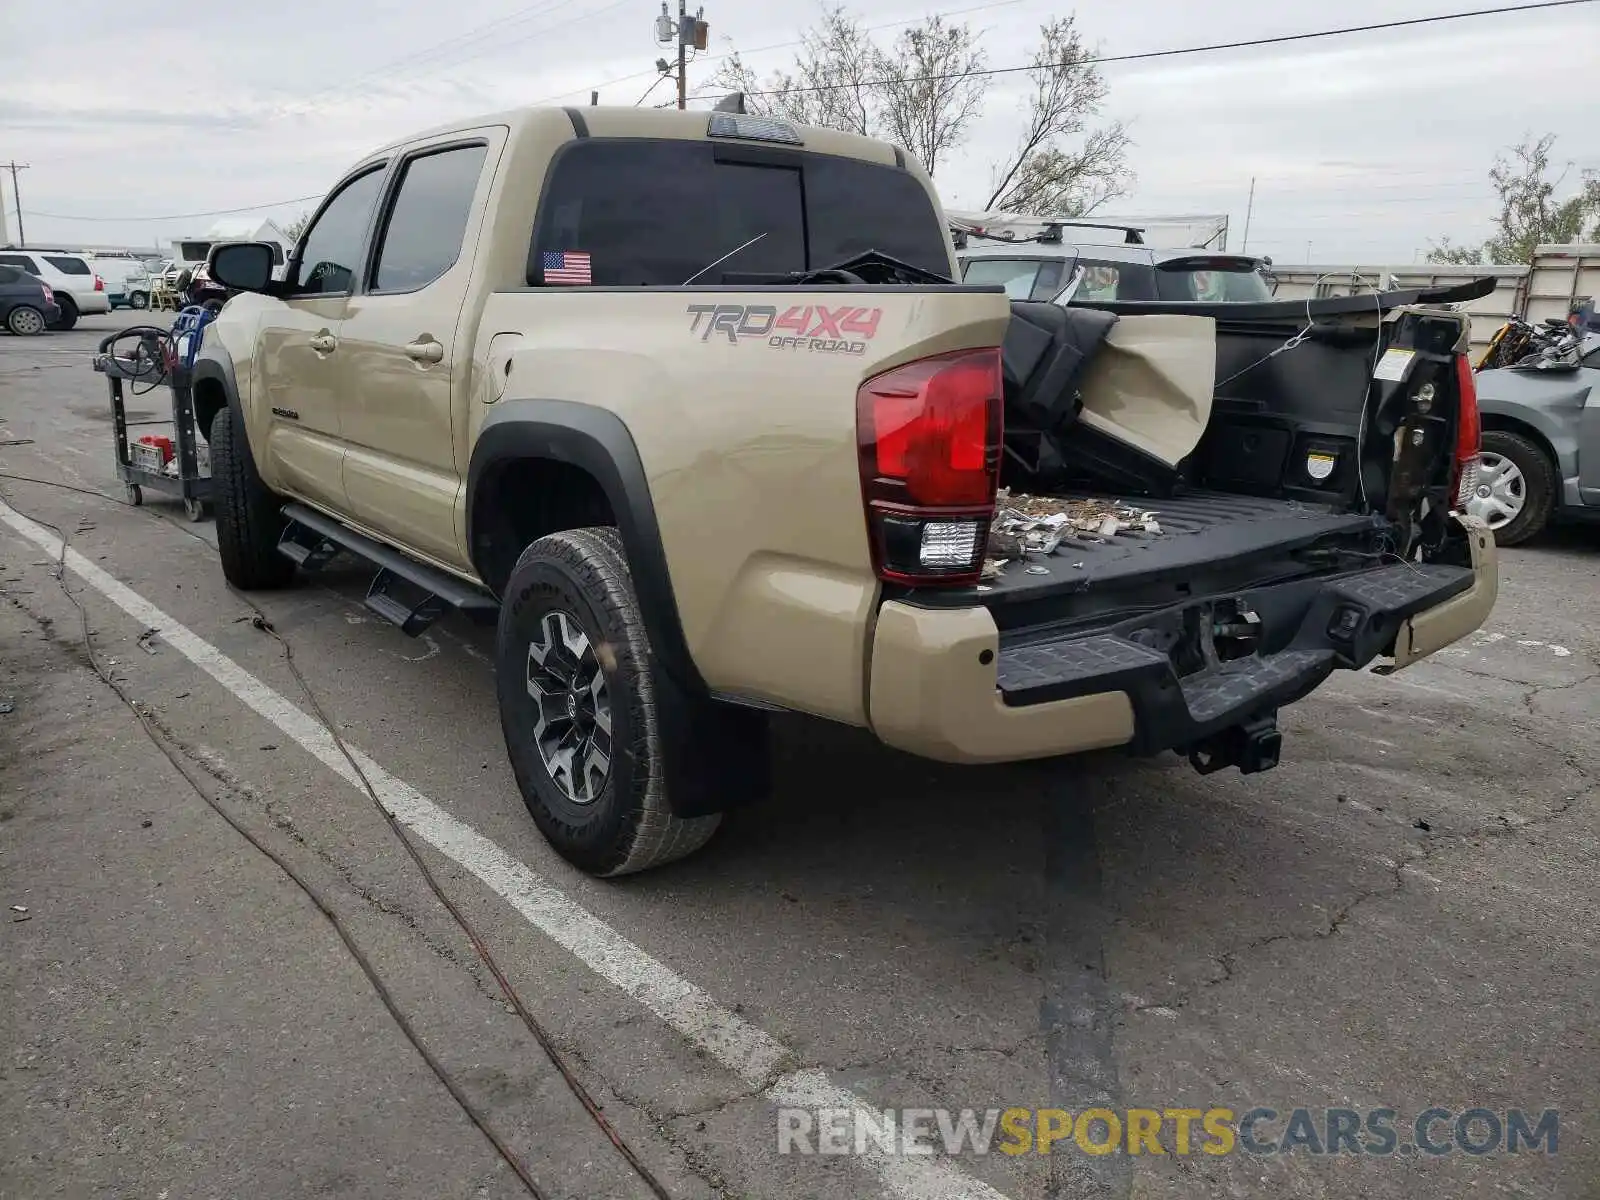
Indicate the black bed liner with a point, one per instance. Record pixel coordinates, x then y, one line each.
1199 529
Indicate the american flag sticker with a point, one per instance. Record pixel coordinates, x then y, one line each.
565 266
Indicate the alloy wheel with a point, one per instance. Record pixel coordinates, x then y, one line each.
568 688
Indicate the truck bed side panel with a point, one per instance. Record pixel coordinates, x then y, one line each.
746 428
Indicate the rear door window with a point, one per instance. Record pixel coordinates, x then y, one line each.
428 221
664 213
10 275
1017 275
67 265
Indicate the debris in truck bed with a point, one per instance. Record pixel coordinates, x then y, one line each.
1036 525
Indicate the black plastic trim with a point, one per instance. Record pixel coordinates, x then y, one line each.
580 127
597 442
213 363
790 288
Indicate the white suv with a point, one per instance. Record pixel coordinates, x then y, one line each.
78 289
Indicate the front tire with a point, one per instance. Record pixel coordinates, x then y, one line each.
578 708
1516 487
249 517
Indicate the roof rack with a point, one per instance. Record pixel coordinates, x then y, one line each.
1003 227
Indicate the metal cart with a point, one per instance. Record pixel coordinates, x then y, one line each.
161 357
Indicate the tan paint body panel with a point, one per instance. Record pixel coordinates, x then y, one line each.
933 694
1150 384
751 456
1431 631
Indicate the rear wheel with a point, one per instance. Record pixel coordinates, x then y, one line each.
139 300
25 321
1516 487
69 313
249 520
578 708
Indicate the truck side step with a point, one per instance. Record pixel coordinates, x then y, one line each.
407 593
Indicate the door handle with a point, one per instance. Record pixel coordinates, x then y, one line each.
425 350
323 343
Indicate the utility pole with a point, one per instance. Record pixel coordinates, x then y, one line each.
683 51
14 167
689 33
1248 209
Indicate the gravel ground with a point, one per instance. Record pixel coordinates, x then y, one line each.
1401 916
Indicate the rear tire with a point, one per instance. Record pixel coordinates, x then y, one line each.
25 321
139 300
1539 484
569 609
69 313
249 520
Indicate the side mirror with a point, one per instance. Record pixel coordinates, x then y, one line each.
242 266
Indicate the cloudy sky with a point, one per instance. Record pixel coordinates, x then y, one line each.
1363 147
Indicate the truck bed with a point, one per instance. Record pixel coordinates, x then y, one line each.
1208 541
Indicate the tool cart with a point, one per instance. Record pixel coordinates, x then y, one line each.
150 358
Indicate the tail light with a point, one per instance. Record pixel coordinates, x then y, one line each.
49 296
928 434
99 284
1469 432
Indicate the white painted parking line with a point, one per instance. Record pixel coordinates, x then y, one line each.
734 1042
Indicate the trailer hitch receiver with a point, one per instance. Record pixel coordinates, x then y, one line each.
1253 746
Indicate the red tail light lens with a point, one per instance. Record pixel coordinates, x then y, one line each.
99 284
929 439
1469 432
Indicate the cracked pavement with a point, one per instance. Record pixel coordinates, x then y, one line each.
1403 914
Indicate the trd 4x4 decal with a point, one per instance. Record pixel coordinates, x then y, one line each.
844 329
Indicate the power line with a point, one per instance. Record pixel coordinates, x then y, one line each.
958 12
1146 55
215 212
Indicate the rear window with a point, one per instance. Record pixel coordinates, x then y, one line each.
20 260
1225 281
1022 278
67 265
660 213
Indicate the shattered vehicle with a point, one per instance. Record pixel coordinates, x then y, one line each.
691 408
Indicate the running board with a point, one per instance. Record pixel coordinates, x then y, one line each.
409 594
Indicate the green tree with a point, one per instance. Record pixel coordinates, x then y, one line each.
1530 213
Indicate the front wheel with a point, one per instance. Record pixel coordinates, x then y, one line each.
1516 487
579 712
249 516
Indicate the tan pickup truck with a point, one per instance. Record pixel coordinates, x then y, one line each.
688 405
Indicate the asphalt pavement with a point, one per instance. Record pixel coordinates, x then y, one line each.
1401 916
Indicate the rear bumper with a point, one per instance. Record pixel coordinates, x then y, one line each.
944 684
92 302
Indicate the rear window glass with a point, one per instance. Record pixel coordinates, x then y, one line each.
20 260
662 213
67 265
1017 276
1211 285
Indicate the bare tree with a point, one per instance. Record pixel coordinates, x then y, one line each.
929 90
1043 175
832 81
293 229
1530 215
